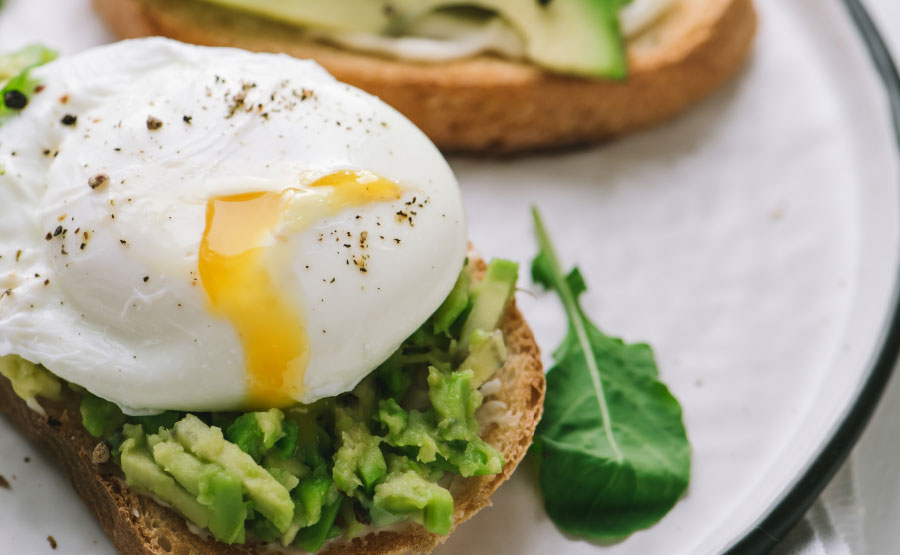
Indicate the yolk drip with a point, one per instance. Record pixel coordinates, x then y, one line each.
242 232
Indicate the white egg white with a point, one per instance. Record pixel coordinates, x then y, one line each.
120 310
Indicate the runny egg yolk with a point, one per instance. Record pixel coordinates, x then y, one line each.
241 233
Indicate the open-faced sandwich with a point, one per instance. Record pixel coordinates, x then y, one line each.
486 75
238 304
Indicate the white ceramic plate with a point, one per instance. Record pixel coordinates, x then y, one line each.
754 242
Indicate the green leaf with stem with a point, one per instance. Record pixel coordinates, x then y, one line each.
615 457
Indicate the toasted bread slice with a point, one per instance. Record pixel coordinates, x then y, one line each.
139 525
486 104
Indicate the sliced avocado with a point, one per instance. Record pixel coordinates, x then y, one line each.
211 484
30 381
407 492
455 303
346 15
487 353
269 497
143 473
490 296
222 492
579 37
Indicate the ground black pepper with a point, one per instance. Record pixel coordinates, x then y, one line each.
15 100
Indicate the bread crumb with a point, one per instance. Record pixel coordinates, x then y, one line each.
153 123
4 483
100 454
52 541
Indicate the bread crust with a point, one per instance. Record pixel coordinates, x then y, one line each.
486 104
139 525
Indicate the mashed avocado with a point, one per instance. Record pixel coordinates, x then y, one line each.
303 475
30 381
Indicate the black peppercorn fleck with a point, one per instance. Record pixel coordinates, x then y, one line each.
15 100
69 119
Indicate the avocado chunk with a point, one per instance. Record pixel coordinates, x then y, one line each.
358 461
100 417
487 353
256 432
313 538
152 423
314 447
30 381
393 376
269 497
286 446
447 433
490 297
310 497
579 37
290 465
285 478
413 429
141 472
454 402
211 484
455 303
408 492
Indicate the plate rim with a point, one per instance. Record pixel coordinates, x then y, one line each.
799 497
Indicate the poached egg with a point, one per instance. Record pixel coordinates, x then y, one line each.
202 229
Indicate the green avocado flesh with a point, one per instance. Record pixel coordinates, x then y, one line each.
578 37
303 475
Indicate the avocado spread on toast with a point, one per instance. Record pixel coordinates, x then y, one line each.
372 457
578 37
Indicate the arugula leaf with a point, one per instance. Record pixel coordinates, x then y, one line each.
615 456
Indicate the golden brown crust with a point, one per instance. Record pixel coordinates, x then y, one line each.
486 104
138 525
